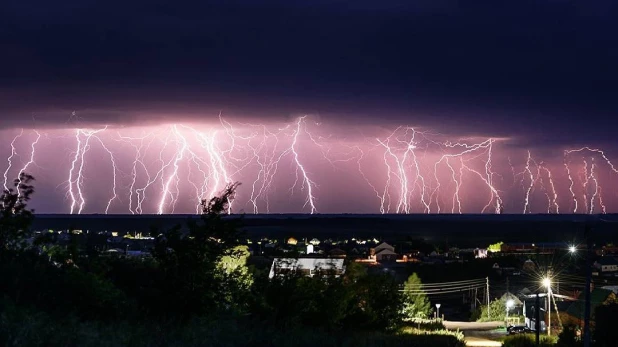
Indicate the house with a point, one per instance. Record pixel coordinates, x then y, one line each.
526 248
384 245
307 266
530 311
608 250
337 253
529 266
606 264
612 288
515 308
511 297
480 253
575 313
385 252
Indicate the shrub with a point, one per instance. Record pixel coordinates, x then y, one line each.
426 324
528 340
26 327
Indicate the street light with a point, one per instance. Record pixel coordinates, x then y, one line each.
572 249
438 313
547 283
509 304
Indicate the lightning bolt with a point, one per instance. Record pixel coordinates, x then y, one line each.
585 184
77 198
527 197
416 170
30 161
380 197
596 188
409 147
571 183
174 175
554 197
588 177
306 181
10 159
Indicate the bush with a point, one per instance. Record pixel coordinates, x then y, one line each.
528 340
426 324
62 291
568 337
25 327
457 335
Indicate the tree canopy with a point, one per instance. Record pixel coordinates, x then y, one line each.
495 247
15 216
198 275
415 301
197 261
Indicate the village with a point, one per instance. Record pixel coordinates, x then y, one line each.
459 281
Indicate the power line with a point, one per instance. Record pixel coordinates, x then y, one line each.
464 282
446 291
442 289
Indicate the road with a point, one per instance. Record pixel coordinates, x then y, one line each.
473 341
477 334
476 326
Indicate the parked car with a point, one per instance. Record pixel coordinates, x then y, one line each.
513 330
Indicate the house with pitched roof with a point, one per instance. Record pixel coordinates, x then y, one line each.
309 267
575 312
385 252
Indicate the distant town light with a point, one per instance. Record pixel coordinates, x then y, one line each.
572 249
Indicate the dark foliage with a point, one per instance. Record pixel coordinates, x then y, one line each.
605 332
15 217
196 290
568 337
527 340
367 302
188 258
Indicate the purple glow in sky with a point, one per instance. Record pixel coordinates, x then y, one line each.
496 92
301 166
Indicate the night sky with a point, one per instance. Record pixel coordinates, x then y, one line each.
538 76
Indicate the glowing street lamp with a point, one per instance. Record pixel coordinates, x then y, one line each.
572 249
509 303
547 283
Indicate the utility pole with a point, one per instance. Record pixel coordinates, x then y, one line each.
548 311
488 317
549 293
558 287
537 319
587 288
507 284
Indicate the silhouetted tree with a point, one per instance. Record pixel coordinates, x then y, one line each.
497 311
415 302
568 337
15 216
605 332
190 257
378 303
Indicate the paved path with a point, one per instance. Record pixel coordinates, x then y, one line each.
481 342
463 326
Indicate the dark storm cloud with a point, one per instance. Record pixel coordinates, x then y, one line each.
543 72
